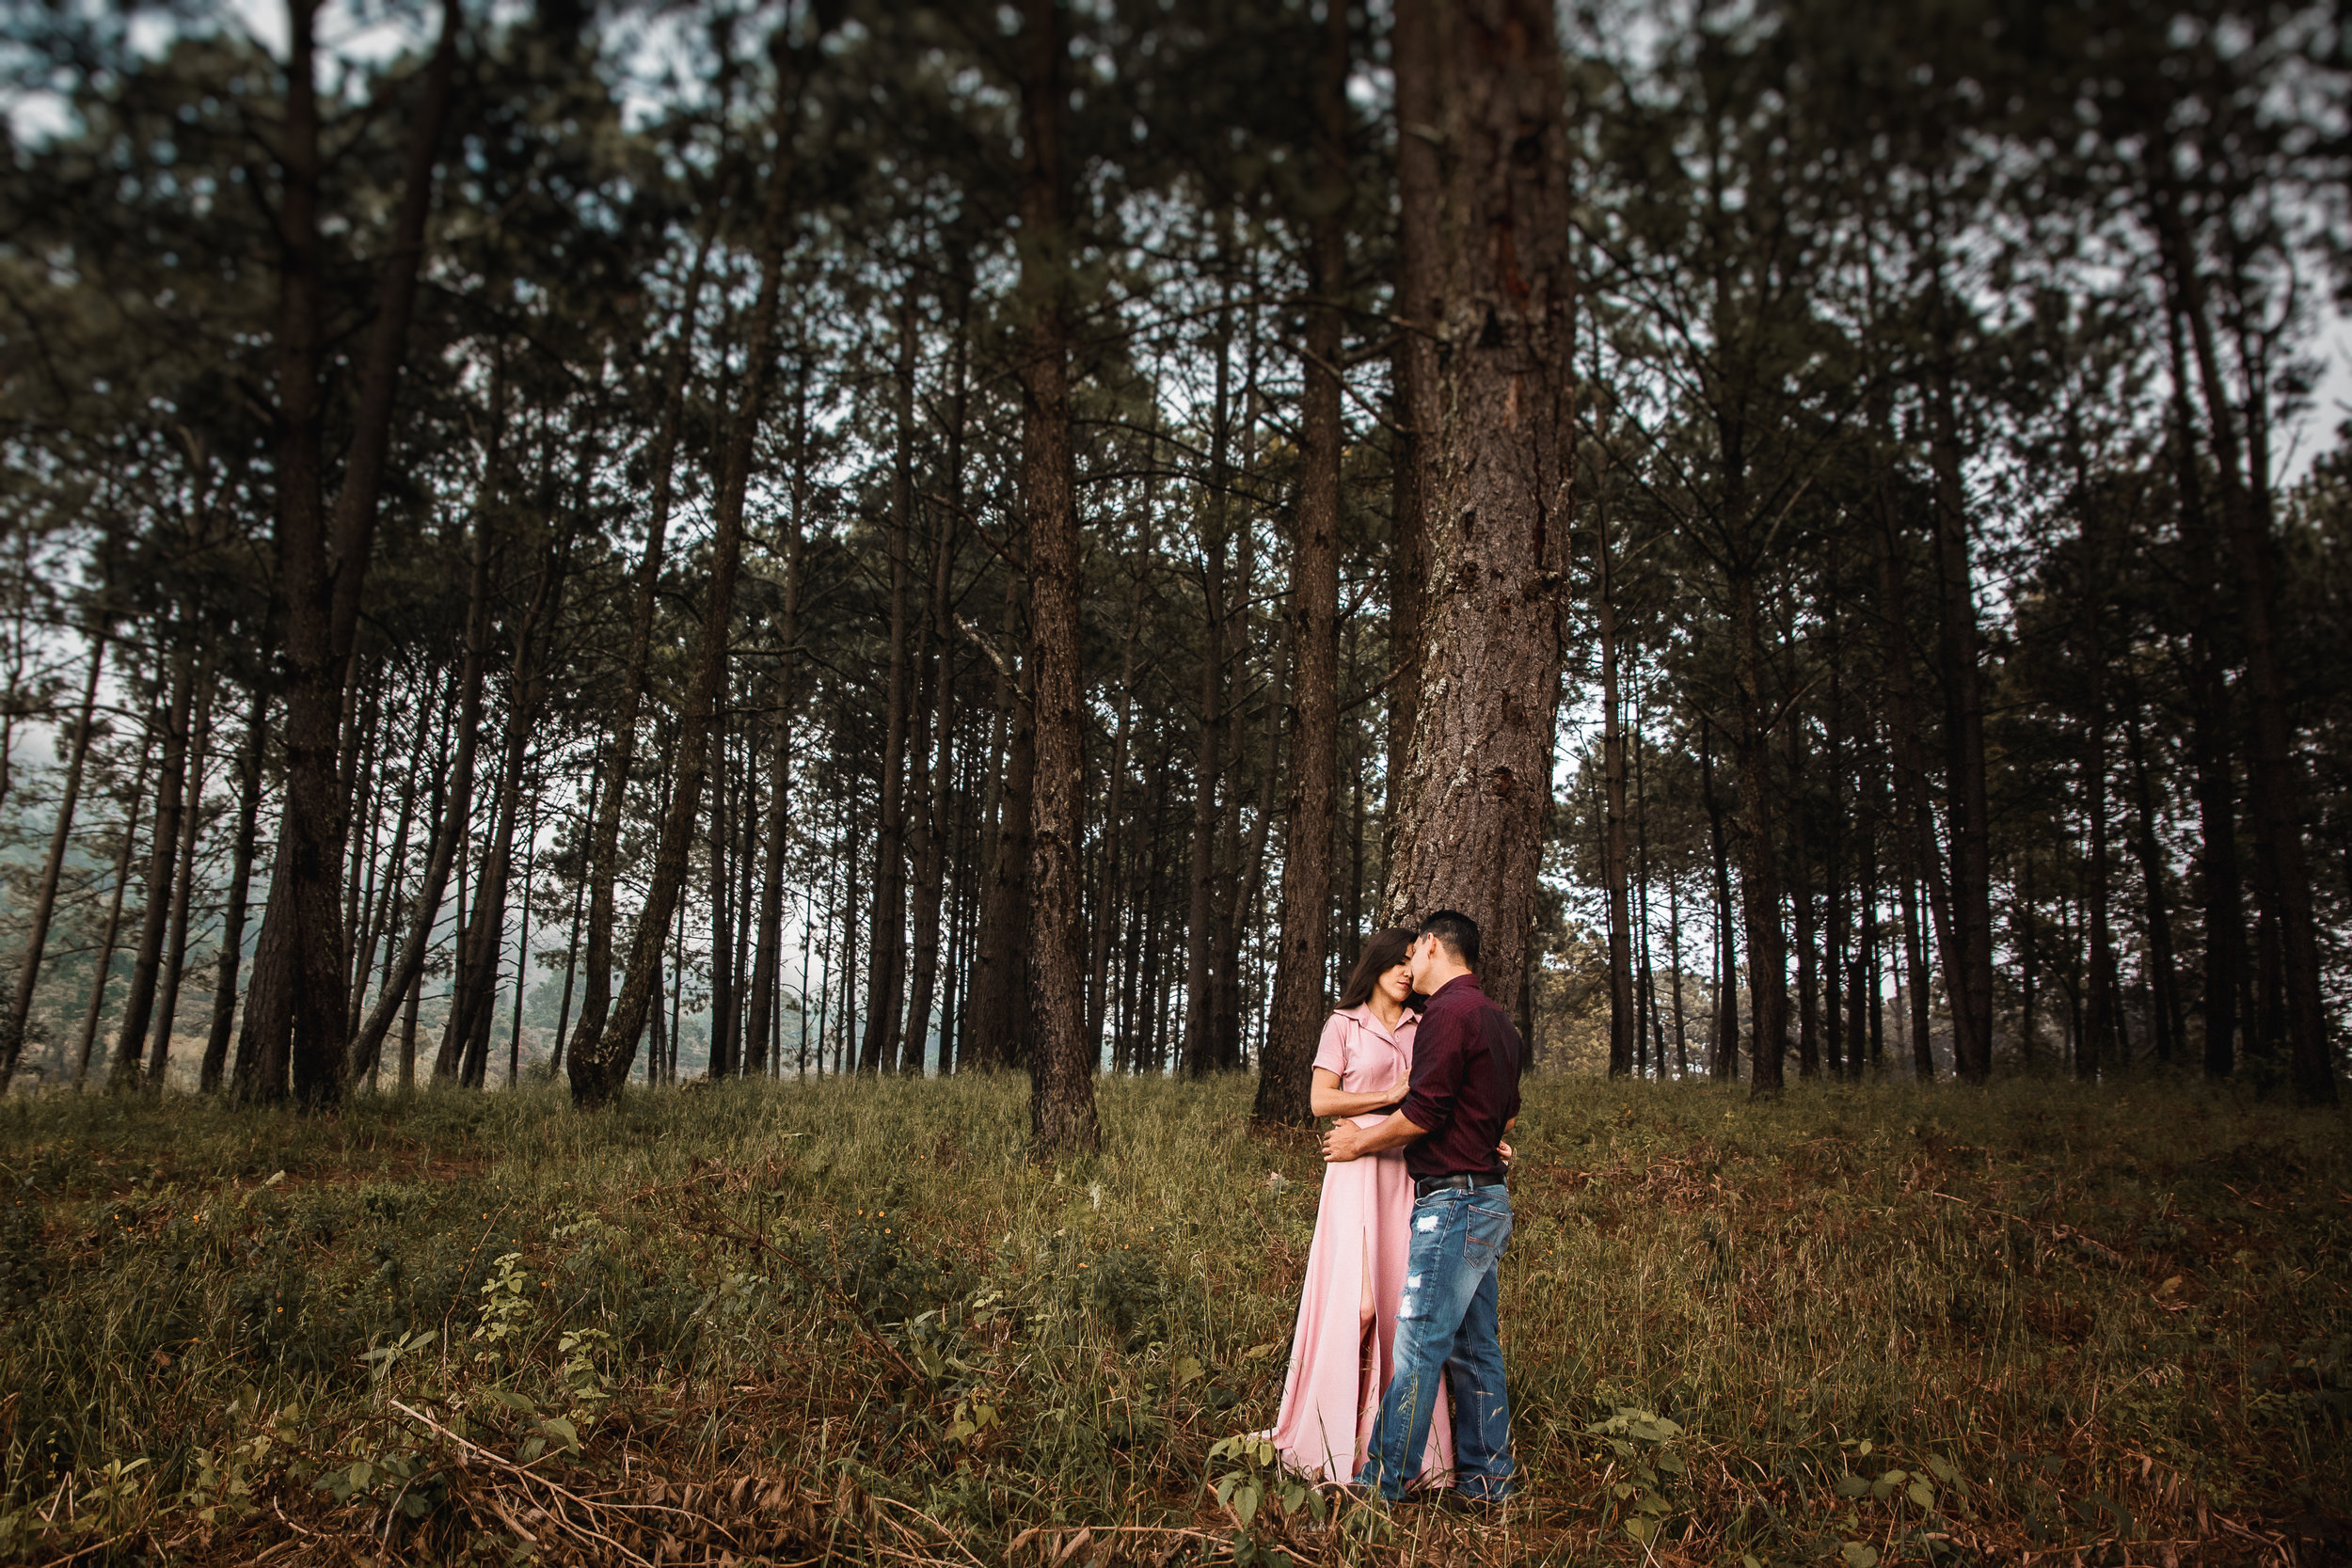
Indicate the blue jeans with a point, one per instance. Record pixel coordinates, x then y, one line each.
1445 1323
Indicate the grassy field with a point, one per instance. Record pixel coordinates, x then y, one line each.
850 1322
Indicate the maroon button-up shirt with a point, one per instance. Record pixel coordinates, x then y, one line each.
1466 1082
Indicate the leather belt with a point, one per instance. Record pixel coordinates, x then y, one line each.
1424 1185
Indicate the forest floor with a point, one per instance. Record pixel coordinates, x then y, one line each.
850 1322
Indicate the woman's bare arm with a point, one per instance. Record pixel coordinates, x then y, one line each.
1326 1099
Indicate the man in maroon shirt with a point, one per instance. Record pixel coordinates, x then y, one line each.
1465 1096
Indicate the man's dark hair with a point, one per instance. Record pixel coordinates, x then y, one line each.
1456 932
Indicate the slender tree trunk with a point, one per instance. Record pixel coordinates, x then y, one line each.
1621 1019
997 1022
598 1071
1114 864
1967 934
45 898
1917 985
766 979
448 836
386 900
1759 863
605 836
184 879
720 836
104 973
887 949
1201 971
1916 855
571 970
2277 773
2099 1013
1477 788
1285 1075
2156 879
1724 1058
1421 315
522 948
241 855
163 861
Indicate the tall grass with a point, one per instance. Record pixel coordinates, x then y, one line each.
853 1321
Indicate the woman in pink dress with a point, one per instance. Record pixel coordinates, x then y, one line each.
1339 1352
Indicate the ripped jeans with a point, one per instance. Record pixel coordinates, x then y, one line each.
1445 1325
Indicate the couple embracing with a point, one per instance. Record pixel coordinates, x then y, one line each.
1396 1371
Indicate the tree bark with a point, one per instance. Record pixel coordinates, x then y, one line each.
295 1009
1285 1075
1062 1081
1477 788
1421 312
45 898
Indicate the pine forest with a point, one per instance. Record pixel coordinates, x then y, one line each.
963 560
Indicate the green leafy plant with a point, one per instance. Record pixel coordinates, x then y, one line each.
1642 1460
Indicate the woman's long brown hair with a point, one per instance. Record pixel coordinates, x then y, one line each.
1383 951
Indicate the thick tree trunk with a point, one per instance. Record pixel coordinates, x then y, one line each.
1061 1082
295 1006
599 1069
45 898
1285 1075
163 862
232 918
1477 788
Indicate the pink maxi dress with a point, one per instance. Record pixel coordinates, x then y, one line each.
1332 1394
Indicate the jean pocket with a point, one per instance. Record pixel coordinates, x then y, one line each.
1489 1231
